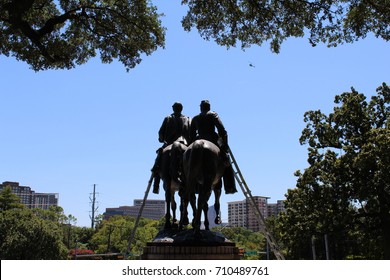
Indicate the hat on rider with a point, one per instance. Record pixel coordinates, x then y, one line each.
177 106
204 105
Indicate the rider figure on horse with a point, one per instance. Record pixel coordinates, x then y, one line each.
203 127
175 127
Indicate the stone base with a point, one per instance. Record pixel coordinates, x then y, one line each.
183 245
160 251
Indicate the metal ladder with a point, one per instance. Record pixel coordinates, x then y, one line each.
260 218
128 250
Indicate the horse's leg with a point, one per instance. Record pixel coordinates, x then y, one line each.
206 218
173 207
198 214
183 211
168 209
217 206
203 197
193 206
206 210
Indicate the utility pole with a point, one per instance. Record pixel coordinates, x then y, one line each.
94 209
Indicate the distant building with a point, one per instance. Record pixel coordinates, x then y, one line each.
237 214
154 209
211 215
30 198
241 213
273 209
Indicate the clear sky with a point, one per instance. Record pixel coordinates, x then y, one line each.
64 131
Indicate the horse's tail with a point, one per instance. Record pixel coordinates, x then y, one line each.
195 175
176 169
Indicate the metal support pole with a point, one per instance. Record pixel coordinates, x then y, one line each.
139 214
248 195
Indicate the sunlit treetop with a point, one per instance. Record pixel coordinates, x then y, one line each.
252 22
62 34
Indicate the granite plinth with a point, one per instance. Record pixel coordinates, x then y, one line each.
184 245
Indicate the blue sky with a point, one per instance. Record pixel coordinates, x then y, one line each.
65 130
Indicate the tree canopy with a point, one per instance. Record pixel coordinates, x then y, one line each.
61 34
25 236
50 34
253 22
253 243
344 194
113 235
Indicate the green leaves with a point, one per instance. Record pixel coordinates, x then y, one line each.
332 22
51 35
345 191
25 236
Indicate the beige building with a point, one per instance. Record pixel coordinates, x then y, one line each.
242 214
30 198
154 209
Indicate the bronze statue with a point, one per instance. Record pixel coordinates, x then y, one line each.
175 127
170 160
203 127
174 134
203 169
195 169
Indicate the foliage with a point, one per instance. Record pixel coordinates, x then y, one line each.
113 235
251 242
344 194
51 34
9 200
54 214
76 237
253 22
25 236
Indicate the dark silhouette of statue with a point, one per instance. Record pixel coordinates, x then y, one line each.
175 127
203 126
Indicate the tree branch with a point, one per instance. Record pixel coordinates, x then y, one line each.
52 22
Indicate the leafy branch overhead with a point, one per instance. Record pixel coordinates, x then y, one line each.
254 22
62 34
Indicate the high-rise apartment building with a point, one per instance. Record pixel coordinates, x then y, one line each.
30 198
273 209
241 213
237 213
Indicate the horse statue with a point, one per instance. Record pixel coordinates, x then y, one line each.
170 172
177 175
203 169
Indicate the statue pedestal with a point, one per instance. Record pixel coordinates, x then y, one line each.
182 245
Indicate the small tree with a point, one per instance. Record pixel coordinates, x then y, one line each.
9 200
